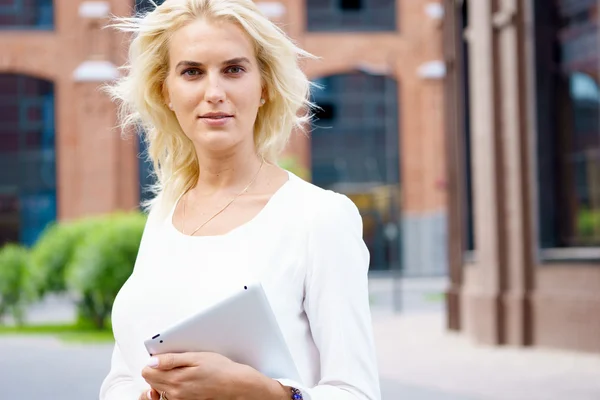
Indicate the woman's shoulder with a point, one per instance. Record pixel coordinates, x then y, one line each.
316 203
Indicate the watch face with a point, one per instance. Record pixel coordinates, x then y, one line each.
296 395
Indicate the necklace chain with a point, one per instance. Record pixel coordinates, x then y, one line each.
222 209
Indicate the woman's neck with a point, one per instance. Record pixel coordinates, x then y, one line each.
233 172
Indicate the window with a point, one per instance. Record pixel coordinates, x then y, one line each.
350 106
351 15
26 14
27 158
568 124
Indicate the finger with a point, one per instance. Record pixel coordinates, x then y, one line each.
154 395
156 378
169 361
150 395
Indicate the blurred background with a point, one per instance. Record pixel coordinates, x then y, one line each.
466 131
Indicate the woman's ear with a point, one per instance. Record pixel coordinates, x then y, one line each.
263 95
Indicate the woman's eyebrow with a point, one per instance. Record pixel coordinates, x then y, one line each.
196 64
188 64
237 60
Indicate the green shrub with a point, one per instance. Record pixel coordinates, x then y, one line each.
101 264
54 251
15 289
588 223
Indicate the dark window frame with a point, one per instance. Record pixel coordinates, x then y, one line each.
329 16
42 13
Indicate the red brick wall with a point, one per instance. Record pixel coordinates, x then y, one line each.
97 171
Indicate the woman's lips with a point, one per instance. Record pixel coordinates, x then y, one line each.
216 120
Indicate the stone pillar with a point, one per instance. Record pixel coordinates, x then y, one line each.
455 158
508 22
484 281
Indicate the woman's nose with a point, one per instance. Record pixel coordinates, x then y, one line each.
214 89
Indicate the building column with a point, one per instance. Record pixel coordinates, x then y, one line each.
509 24
484 281
455 156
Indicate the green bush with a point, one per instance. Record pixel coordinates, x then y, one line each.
588 223
101 264
54 251
15 289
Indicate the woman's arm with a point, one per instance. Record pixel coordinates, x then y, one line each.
337 304
119 384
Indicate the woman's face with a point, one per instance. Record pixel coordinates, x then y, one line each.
214 84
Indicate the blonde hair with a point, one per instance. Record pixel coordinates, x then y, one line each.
140 91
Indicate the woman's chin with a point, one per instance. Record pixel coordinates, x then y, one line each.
217 140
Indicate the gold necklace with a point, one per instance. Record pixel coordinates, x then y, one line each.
222 209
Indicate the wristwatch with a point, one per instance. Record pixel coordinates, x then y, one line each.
296 394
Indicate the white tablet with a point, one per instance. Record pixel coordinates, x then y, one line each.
242 328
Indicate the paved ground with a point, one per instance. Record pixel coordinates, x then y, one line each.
414 350
417 359
32 369
38 368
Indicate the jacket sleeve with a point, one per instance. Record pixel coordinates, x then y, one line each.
337 305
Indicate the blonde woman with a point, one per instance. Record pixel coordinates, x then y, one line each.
217 89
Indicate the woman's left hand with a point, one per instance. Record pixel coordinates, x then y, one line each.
203 376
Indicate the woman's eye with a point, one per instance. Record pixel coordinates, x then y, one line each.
235 70
191 72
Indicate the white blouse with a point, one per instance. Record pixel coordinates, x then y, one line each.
305 247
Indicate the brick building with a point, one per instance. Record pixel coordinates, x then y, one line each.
379 137
523 123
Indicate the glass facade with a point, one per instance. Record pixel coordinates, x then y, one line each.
351 15
26 14
354 150
568 121
27 158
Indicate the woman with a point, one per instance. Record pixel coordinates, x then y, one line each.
218 90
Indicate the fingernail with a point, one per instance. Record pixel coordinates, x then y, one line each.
153 362
149 394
